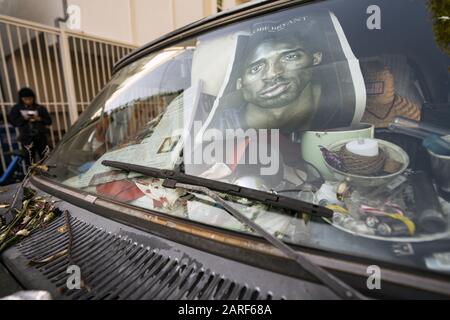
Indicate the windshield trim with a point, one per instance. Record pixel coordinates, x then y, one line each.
404 276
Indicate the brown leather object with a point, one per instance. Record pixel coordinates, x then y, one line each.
399 107
383 104
392 166
362 165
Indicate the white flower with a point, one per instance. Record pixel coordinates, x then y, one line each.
23 233
26 219
49 217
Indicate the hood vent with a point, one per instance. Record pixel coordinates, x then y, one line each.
116 267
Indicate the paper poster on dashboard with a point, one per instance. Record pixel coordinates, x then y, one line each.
296 74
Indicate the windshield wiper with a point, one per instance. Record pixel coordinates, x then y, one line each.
173 179
264 197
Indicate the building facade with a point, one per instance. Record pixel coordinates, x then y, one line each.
65 50
132 21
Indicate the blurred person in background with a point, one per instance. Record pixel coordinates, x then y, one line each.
32 120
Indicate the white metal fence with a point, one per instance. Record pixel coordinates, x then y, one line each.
66 69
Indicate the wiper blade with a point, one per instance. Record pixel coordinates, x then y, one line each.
173 179
333 283
266 198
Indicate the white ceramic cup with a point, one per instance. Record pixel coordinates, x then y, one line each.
311 140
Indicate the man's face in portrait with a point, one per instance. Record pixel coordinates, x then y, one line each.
276 72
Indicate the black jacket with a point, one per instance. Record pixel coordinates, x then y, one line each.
29 130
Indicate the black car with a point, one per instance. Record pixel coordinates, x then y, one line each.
281 150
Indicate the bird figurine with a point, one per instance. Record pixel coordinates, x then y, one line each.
332 158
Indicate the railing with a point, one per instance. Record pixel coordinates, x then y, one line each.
66 69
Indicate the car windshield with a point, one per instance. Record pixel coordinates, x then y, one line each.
344 104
